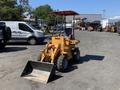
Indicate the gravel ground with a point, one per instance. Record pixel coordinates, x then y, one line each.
98 69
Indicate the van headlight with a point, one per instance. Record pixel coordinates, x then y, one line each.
41 34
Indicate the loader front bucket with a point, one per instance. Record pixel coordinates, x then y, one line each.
39 72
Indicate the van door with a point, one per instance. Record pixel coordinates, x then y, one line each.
14 30
25 31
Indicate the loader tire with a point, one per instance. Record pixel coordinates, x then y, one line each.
62 63
76 55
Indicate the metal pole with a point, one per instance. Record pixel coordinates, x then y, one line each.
73 31
63 23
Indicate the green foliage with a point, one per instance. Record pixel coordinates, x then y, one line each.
8 3
9 10
45 12
42 11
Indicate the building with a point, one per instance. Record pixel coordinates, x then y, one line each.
89 17
92 17
110 21
104 23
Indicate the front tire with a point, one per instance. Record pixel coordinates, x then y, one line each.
62 63
32 41
39 57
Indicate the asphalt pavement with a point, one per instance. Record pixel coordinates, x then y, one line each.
98 69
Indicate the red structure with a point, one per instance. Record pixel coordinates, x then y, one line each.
66 13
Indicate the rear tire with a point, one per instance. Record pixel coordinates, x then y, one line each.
76 55
32 41
2 46
62 63
8 34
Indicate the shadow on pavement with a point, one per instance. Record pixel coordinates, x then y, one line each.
71 68
13 49
25 43
87 58
83 59
55 78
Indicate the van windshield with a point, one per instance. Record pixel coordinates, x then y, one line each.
32 26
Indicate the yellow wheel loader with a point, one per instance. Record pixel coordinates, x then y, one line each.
55 56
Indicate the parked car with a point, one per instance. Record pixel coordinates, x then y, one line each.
23 31
5 35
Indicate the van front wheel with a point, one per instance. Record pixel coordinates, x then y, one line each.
32 41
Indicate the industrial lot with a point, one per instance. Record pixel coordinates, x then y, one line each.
98 69
44 48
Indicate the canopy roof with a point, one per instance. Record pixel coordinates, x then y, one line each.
66 13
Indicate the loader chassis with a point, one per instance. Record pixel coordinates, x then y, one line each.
56 55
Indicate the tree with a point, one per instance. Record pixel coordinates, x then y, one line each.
45 12
42 12
9 10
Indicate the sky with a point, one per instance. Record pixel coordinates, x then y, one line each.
111 8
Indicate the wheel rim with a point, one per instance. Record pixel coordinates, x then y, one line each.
32 41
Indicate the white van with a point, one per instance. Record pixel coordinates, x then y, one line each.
22 31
